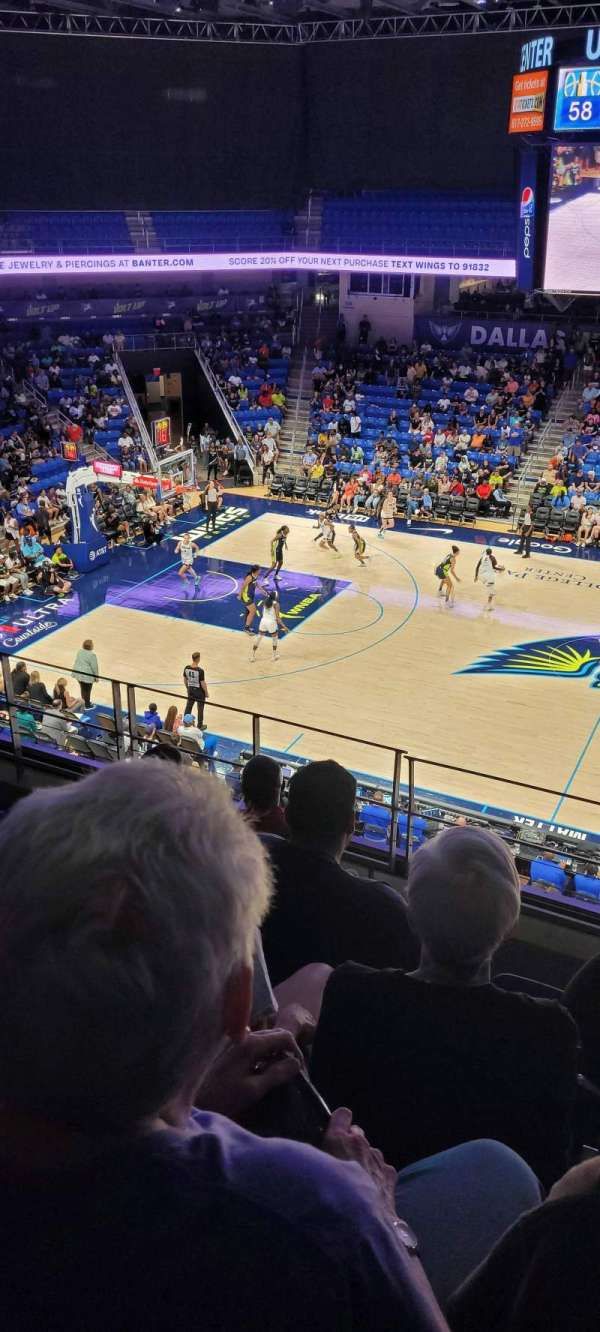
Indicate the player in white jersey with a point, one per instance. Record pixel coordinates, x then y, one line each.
270 625
485 573
188 550
327 538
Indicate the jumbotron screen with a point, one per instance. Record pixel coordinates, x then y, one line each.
573 230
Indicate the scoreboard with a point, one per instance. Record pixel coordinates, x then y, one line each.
577 105
161 431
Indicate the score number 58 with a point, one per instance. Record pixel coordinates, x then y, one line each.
580 111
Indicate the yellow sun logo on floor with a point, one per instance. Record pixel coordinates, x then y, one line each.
557 657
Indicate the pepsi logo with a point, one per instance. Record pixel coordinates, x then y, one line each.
527 201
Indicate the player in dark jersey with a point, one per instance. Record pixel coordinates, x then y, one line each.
248 596
446 572
278 545
359 543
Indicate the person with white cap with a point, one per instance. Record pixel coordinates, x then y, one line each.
441 1055
189 731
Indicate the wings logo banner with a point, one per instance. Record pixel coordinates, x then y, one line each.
559 658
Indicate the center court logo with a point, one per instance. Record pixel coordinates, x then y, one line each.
557 658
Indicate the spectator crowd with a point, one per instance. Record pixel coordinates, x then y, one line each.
567 498
237 1076
425 429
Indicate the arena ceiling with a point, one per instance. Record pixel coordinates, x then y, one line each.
290 21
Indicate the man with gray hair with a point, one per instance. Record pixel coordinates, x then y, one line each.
127 925
440 1055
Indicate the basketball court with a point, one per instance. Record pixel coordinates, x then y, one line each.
372 653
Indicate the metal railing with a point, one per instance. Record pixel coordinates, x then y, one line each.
537 457
234 425
138 418
404 791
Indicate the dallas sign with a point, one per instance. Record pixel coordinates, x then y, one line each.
50 264
495 333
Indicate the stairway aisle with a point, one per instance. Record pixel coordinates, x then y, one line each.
308 222
141 229
521 487
316 322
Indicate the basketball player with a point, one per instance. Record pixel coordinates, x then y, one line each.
486 571
446 572
247 596
387 513
270 625
188 550
278 545
327 541
359 544
319 525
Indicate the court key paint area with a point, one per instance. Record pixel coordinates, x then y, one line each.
374 654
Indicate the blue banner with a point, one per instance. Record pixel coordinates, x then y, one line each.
167 307
497 334
526 219
89 547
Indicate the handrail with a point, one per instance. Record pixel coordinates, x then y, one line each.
189 342
298 399
408 798
530 461
137 415
234 426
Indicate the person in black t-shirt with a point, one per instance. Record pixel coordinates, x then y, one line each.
197 692
320 912
212 460
439 1056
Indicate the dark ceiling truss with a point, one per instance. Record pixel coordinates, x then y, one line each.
532 18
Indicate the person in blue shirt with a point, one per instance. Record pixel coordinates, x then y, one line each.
151 717
31 550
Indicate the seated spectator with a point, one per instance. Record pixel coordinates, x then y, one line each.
189 731
544 1274
14 581
484 495
321 912
31 550
140 934
20 677
500 502
261 791
54 724
309 459
439 1056
37 690
51 580
172 722
68 702
24 717
62 561
152 718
